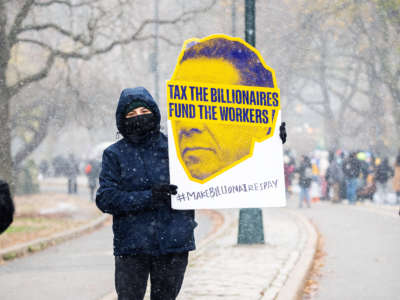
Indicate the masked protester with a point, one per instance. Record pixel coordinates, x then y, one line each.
150 238
6 206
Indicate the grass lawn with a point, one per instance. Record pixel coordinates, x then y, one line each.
42 215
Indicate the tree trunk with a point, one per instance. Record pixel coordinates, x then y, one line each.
5 138
396 117
331 133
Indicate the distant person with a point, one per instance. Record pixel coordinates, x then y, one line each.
288 171
72 174
305 178
44 168
315 189
351 169
334 176
6 206
364 170
367 191
396 178
341 158
92 171
382 174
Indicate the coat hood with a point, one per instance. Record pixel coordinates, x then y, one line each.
127 97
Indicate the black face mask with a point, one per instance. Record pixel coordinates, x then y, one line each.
140 126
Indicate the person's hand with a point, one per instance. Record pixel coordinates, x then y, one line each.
164 191
282 132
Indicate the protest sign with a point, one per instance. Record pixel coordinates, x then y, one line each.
223 108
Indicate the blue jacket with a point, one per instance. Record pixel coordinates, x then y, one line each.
141 224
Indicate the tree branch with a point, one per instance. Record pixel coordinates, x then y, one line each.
135 36
22 14
14 89
356 131
310 105
35 42
3 21
38 136
54 53
63 2
76 38
163 38
4 45
346 104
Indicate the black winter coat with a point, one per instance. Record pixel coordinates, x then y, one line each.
6 206
383 172
305 173
141 223
352 167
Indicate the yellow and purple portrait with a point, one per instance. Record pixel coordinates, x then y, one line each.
222 99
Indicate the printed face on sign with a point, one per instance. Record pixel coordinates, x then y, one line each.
207 148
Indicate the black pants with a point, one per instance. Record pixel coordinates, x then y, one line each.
166 275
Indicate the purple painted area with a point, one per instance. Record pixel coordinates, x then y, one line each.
246 61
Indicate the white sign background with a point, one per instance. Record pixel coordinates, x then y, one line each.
256 182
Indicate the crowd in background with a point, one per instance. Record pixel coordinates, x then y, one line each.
334 176
339 175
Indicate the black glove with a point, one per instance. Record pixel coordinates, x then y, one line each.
164 191
282 132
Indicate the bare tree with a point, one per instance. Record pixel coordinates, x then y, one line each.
352 55
328 82
98 27
378 22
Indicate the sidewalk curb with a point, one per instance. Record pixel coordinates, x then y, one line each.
42 243
294 285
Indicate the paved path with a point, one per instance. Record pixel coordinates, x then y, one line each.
363 251
77 269
220 269
224 270
84 268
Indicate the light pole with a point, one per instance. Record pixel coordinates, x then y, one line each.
251 229
233 18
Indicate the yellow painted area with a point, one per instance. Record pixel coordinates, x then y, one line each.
221 103
209 146
219 71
